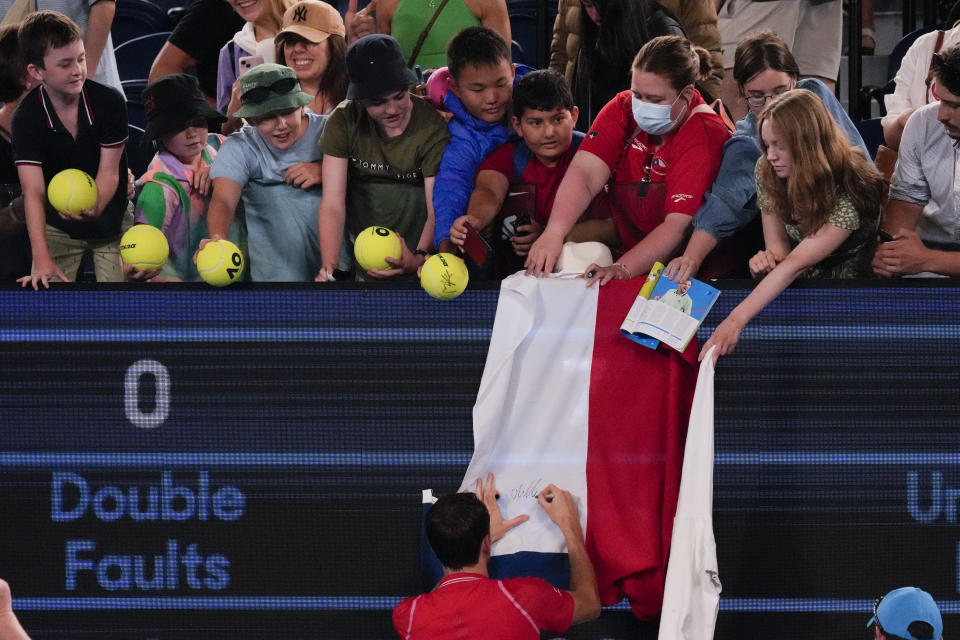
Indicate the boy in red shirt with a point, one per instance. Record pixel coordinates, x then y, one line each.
519 179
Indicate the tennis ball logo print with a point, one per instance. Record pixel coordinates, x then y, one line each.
373 245
220 263
71 191
444 276
144 247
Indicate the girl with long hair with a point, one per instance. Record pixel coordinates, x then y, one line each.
820 199
726 232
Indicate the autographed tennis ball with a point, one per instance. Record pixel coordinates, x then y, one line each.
71 191
144 247
444 276
373 245
220 263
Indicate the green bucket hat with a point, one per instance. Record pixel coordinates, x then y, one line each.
268 88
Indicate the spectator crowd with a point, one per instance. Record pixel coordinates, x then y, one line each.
703 134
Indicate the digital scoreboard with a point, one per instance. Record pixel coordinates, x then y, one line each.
179 461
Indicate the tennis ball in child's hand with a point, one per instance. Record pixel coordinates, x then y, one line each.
373 245
444 276
71 191
220 262
144 247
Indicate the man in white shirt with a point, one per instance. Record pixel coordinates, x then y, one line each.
913 84
923 210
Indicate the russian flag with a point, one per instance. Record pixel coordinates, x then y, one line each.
565 398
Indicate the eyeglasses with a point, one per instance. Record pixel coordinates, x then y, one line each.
259 94
758 101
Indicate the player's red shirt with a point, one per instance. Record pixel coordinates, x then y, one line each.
686 163
469 605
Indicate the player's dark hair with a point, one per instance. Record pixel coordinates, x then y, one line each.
543 90
12 68
456 525
761 51
479 46
45 30
946 69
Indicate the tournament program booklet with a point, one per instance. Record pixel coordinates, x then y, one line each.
668 312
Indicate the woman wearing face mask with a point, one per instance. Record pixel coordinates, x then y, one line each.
650 155
763 68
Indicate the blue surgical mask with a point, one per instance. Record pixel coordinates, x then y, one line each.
653 118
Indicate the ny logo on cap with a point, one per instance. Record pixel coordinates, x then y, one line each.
300 15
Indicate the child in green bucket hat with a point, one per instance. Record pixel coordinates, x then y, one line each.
273 165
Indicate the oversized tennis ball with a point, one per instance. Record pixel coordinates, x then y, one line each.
144 247
220 263
71 191
444 276
373 244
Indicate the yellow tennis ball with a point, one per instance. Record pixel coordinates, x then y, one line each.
71 191
373 245
144 247
444 276
220 263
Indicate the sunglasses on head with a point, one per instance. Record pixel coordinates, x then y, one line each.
259 94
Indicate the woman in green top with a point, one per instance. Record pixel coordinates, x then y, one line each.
405 20
819 199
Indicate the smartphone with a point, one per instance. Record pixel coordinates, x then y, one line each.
884 236
249 62
522 220
475 246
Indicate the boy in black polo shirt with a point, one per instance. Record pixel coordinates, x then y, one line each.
68 122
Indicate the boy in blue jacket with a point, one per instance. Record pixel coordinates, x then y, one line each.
481 88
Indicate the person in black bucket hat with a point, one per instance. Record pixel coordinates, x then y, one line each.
174 192
376 66
382 148
172 102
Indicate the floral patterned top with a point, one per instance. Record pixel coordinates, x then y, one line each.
852 258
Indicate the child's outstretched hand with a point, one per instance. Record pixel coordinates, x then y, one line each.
43 272
725 337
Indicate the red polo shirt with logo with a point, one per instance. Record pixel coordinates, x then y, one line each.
687 162
469 605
